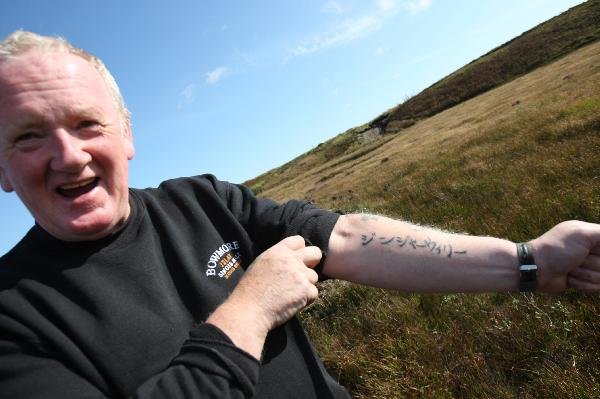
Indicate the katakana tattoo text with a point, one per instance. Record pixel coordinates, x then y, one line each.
410 242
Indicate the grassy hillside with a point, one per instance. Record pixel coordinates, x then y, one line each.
539 46
511 163
536 47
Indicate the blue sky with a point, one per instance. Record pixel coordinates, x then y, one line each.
236 88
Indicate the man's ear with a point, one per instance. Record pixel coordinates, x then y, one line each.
128 135
4 183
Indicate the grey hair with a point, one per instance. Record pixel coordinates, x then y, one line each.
20 42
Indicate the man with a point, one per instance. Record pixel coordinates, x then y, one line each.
190 289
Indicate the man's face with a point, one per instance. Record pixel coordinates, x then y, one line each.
62 148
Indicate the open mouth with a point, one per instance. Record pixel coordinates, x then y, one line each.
77 189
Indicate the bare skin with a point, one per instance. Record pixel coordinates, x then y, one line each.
567 256
387 253
63 148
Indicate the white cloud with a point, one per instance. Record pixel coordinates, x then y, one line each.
246 58
416 6
187 96
348 30
332 6
345 32
216 75
380 50
386 5
355 28
188 92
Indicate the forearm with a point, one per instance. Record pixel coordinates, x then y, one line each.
386 253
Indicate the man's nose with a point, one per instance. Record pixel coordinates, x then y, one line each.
69 154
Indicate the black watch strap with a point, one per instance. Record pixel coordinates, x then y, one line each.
528 281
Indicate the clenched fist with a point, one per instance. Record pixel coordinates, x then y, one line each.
569 256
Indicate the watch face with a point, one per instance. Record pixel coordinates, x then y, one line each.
528 275
528 278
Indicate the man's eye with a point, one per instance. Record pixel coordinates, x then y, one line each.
28 141
27 136
86 124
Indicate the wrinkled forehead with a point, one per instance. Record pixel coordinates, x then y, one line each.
58 80
50 70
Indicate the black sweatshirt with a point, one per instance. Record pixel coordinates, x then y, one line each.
123 316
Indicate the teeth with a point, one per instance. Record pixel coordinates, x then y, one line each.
77 185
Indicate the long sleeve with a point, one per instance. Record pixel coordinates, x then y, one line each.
208 366
124 316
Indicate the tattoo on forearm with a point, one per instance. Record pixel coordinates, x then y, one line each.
409 242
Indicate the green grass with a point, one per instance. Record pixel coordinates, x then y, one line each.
547 158
391 345
512 180
487 166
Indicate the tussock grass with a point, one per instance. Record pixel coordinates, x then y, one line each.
491 165
391 345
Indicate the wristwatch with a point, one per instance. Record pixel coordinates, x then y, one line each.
527 268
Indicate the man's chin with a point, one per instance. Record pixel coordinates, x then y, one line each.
86 225
77 231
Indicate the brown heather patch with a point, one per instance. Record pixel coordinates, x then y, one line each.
546 42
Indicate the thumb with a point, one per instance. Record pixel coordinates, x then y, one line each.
310 256
293 242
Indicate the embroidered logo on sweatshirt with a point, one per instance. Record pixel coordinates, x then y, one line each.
224 260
